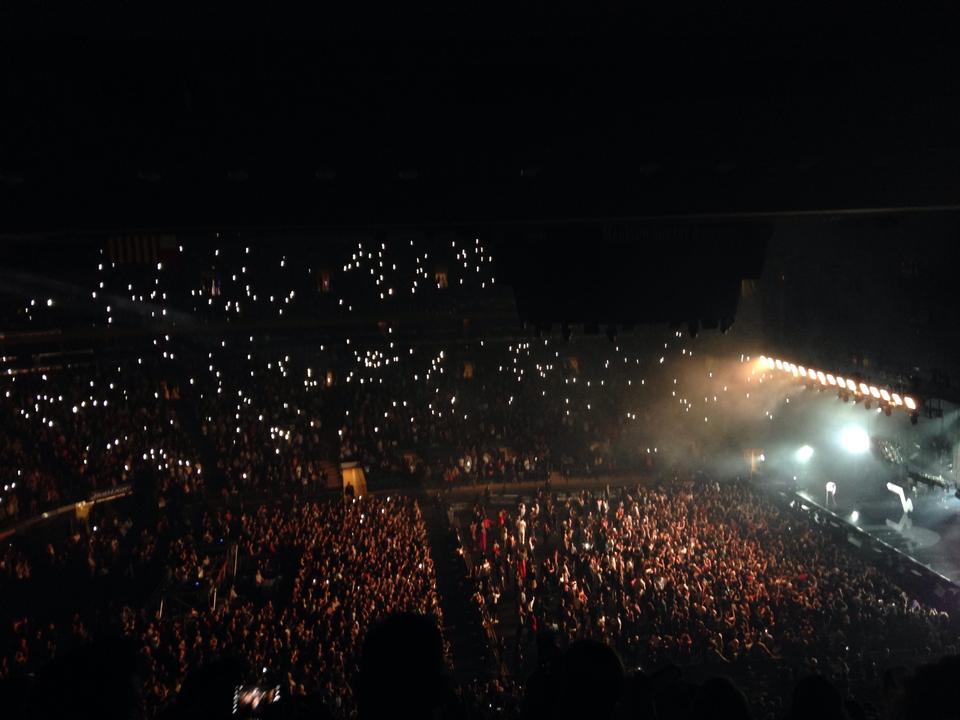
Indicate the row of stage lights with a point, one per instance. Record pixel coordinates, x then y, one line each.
843 385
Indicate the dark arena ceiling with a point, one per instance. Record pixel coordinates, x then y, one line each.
546 113
631 142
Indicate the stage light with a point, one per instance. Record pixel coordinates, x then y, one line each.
847 387
804 454
905 502
854 516
855 440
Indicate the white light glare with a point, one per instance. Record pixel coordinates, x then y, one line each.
804 454
854 440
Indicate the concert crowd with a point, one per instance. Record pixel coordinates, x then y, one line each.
210 531
287 592
696 574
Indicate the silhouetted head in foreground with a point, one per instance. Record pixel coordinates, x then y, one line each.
719 698
931 692
591 680
401 669
815 698
96 681
672 695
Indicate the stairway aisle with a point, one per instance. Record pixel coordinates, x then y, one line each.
331 472
472 656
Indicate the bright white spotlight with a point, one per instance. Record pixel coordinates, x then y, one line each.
804 454
909 402
851 385
885 395
896 399
854 516
779 364
864 389
831 379
855 440
875 391
821 377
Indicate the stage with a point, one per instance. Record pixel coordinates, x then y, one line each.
929 534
